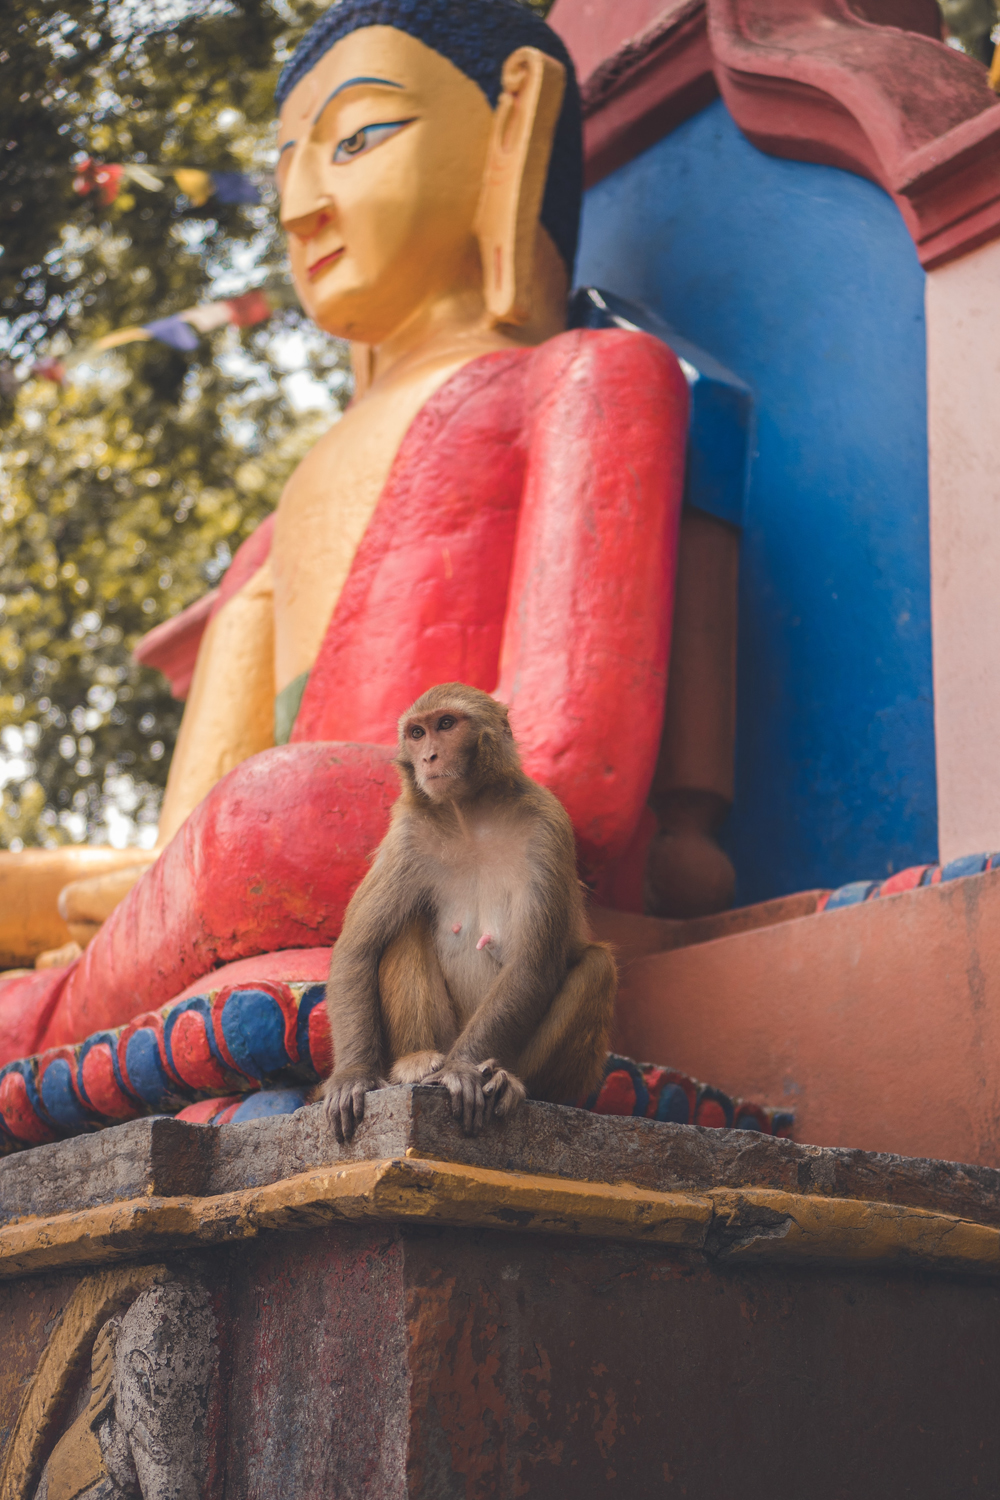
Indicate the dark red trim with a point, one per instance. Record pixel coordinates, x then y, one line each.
652 84
815 81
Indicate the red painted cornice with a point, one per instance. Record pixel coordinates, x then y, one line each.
814 81
651 84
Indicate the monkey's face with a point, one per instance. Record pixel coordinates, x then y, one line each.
439 747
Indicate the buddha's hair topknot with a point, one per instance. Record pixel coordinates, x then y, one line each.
477 36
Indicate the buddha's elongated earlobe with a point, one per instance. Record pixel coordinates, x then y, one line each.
517 164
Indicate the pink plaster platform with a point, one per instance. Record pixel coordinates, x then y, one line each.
878 1024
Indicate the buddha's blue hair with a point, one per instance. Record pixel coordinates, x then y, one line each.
477 36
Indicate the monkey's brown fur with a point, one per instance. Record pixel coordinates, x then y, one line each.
465 958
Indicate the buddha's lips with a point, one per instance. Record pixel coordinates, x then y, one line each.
325 260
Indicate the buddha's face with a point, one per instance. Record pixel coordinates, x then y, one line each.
382 148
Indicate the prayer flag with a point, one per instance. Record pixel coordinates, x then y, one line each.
107 179
233 187
175 331
253 307
50 369
197 185
114 340
180 331
207 316
144 177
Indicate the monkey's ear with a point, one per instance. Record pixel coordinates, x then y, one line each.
517 164
487 753
503 718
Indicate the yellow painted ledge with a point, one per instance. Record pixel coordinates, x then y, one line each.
751 1224
396 1189
769 1224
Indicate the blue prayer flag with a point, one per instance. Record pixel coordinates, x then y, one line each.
175 332
233 187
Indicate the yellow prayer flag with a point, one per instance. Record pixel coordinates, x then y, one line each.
120 336
197 185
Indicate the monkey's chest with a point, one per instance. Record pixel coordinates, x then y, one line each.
476 932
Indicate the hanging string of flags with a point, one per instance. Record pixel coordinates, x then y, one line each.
198 186
180 331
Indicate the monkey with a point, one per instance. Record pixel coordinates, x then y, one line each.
465 960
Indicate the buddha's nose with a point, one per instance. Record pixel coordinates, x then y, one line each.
305 205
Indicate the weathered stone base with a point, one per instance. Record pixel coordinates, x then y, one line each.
421 1315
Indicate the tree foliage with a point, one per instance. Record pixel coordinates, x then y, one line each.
973 25
123 496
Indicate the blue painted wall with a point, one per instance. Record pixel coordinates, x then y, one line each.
804 281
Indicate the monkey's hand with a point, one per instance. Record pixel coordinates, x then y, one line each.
478 1090
344 1100
504 1092
464 1082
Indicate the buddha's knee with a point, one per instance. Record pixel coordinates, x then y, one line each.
85 904
30 884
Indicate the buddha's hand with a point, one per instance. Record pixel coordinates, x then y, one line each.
478 1091
344 1099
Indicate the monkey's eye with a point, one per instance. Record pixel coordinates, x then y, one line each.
446 721
416 733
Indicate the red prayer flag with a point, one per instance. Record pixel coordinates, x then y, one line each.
109 180
94 174
50 369
252 307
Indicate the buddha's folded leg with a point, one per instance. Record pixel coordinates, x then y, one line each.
27 1003
267 861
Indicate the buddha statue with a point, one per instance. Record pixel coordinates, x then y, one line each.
499 505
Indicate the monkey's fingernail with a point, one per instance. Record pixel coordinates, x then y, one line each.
486 938
457 927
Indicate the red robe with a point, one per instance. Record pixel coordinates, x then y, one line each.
525 542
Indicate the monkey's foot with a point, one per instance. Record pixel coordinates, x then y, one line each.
503 1091
344 1101
415 1067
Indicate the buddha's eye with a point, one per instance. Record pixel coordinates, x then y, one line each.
366 140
